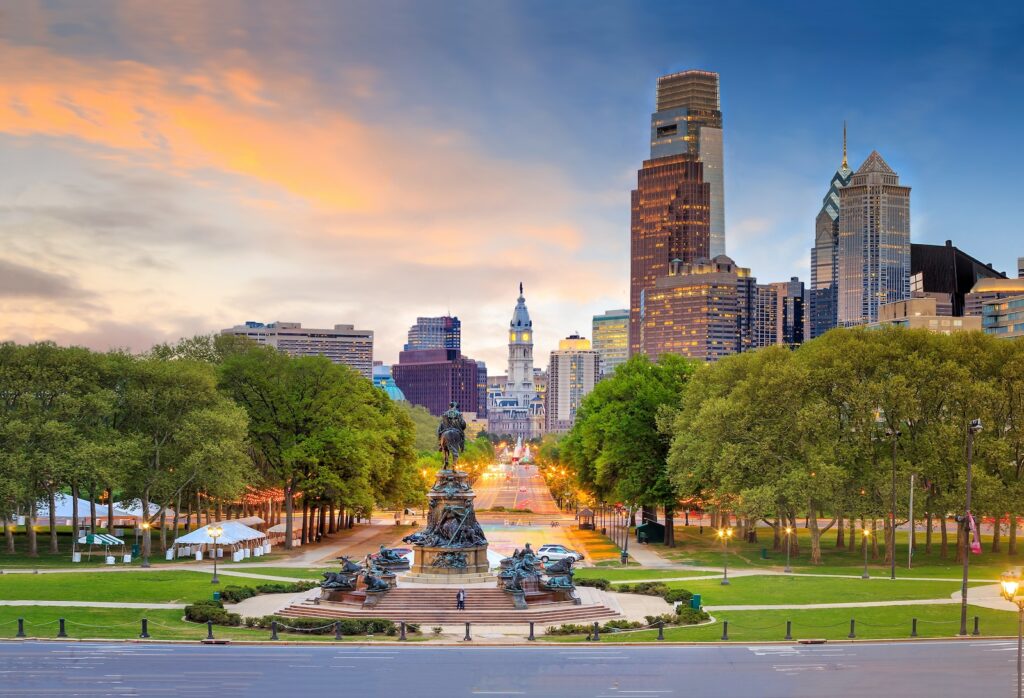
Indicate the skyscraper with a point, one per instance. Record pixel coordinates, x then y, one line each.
688 119
874 242
342 345
823 295
517 409
611 339
572 373
443 332
434 377
779 314
703 310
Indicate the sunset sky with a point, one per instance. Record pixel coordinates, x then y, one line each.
174 168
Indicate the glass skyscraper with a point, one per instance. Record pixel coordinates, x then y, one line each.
611 339
874 242
443 332
823 295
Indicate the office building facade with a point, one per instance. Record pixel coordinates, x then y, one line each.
443 332
573 371
434 378
946 273
517 409
779 314
988 290
610 332
874 242
704 310
923 313
1004 317
823 294
342 345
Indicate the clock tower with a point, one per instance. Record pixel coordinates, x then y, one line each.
518 410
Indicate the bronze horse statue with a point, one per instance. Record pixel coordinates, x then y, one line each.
451 435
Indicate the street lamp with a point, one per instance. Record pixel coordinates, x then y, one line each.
789 532
867 536
145 543
724 535
973 428
215 533
1010 581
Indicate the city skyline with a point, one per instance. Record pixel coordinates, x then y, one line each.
173 172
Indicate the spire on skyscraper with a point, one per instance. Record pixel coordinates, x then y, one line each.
845 164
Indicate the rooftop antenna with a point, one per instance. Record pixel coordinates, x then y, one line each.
845 165
520 288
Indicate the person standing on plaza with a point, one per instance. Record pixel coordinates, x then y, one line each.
460 600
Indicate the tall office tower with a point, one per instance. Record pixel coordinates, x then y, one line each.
572 373
689 120
435 377
481 389
823 295
947 274
670 221
342 345
874 242
779 314
1020 267
704 310
518 410
443 332
611 339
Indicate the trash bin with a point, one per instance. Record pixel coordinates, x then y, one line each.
695 602
216 596
764 553
136 550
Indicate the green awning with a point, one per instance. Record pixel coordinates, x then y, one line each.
99 539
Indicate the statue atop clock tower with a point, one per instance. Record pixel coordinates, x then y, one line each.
518 410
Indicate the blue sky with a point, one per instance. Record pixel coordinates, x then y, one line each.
178 168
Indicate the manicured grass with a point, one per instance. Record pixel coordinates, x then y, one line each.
830 624
291 572
116 623
157 586
771 590
630 573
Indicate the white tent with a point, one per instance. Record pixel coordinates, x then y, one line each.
65 512
236 537
134 508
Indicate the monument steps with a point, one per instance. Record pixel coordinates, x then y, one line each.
551 614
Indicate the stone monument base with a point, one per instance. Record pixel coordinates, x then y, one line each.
430 561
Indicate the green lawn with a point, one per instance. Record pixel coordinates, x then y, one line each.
770 590
157 586
830 624
626 574
315 573
116 623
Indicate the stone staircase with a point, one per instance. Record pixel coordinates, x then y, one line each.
437 606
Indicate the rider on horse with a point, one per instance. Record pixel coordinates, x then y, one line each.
451 435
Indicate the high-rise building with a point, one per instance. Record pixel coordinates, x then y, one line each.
572 373
1020 267
611 339
1004 317
688 119
435 377
670 220
987 290
947 274
443 332
704 310
779 314
823 295
517 409
342 345
874 242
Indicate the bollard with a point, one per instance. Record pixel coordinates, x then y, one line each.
337 630
61 633
401 630
913 627
725 630
145 628
273 630
597 632
853 624
209 630
531 638
789 630
976 631
661 630
21 628
467 638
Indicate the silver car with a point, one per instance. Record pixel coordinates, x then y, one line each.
548 553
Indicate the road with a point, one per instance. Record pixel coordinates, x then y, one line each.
523 489
926 668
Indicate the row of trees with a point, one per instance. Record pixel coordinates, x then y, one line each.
776 434
197 421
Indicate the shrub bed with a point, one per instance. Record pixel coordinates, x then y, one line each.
234 593
687 616
656 589
322 626
208 610
597 582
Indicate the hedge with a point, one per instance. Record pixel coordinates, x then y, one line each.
208 610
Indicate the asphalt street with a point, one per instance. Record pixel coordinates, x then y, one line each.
928 669
523 488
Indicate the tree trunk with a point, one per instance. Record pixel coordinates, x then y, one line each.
997 529
794 539
777 533
92 512
331 519
147 544
305 521
163 530
812 523
874 538
944 538
928 532
54 546
9 535
670 526
840 533
890 540
110 510
74 511
177 517
1011 546
289 510
30 531
851 544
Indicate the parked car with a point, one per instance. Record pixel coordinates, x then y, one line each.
549 553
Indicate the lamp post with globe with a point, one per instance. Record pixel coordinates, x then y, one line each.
215 532
1011 590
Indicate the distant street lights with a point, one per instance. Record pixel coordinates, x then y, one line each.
145 543
973 428
214 532
1010 581
867 537
724 534
789 532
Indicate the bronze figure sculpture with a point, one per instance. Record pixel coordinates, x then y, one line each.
451 435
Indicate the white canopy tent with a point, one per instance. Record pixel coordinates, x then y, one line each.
240 540
134 508
65 512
